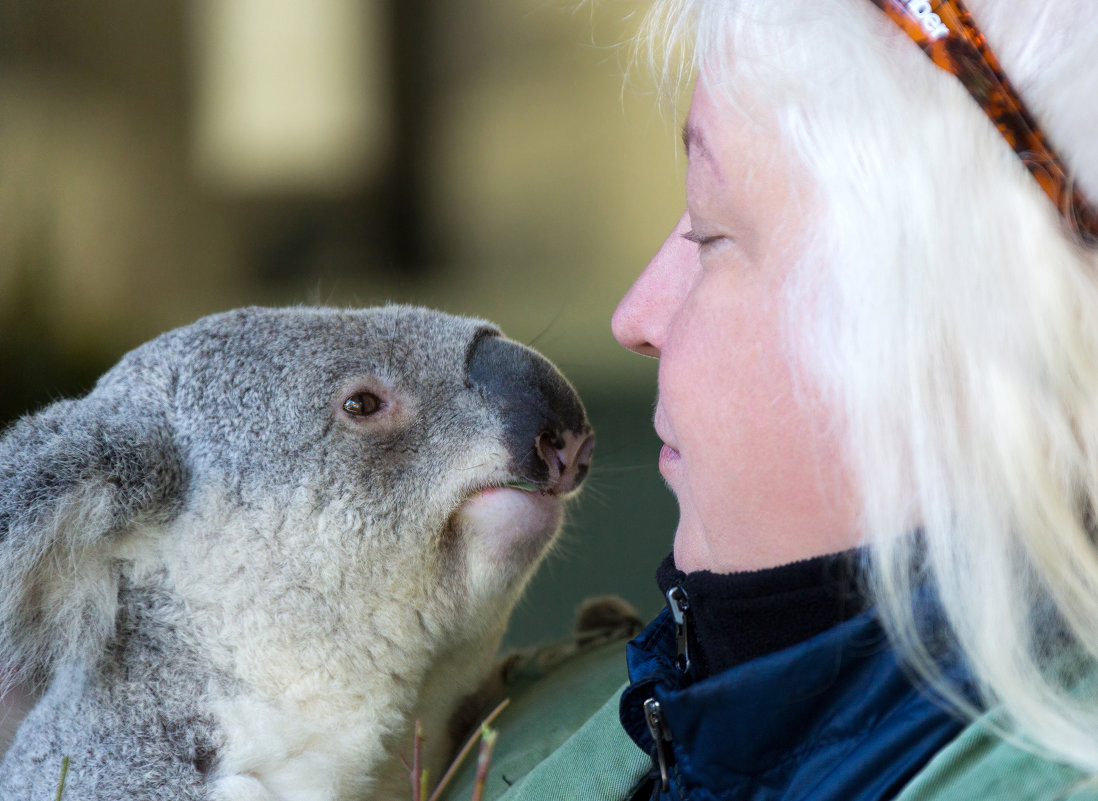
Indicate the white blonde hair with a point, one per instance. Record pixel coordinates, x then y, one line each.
950 319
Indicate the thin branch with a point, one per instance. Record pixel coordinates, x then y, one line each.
465 749
417 756
64 775
484 759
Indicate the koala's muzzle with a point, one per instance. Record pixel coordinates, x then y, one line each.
546 428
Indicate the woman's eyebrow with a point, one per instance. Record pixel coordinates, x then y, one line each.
689 135
694 143
698 153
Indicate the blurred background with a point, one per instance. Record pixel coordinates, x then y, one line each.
165 159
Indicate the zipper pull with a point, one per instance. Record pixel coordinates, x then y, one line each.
654 718
679 604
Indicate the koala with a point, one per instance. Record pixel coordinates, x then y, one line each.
265 544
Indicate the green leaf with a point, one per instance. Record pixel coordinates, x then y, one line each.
525 486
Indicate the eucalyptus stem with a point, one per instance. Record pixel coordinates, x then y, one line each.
465 749
418 774
484 759
64 775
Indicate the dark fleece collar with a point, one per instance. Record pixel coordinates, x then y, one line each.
738 617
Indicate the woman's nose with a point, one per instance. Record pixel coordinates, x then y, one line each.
641 318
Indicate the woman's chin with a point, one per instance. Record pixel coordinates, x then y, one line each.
689 548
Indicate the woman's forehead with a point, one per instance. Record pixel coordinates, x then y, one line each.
729 140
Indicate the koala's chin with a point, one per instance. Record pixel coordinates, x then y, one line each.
286 535
507 531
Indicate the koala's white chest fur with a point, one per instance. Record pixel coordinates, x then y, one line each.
347 747
274 754
328 700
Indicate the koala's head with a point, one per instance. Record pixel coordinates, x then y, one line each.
292 472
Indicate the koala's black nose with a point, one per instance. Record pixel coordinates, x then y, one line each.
546 426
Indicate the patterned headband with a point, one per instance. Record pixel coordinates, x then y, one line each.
947 34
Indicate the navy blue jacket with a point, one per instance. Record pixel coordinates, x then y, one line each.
833 718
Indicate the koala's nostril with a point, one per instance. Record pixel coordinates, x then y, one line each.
568 457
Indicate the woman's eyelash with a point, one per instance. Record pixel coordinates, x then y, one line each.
698 239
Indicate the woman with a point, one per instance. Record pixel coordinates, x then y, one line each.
877 325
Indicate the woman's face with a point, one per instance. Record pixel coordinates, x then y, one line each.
747 448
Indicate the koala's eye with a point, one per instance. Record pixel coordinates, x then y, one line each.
362 404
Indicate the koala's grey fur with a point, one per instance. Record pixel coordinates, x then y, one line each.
233 589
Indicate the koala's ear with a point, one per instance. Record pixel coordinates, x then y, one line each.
73 479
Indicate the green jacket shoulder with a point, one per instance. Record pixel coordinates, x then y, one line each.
979 765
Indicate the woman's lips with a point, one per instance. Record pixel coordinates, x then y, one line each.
669 455
669 458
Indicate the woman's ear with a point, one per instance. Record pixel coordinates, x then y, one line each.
73 479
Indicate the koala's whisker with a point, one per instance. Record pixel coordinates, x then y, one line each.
545 329
617 469
595 494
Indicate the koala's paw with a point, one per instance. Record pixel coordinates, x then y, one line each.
240 788
599 621
606 618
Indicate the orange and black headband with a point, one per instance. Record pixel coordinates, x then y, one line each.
947 34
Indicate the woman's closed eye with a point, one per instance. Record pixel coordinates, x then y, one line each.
701 240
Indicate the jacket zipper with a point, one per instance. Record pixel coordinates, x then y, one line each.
678 602
654 718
